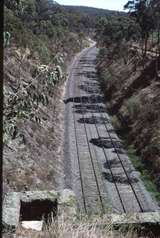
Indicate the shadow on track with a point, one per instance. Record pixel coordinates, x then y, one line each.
106 143
85 99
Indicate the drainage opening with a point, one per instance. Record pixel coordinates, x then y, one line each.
38 210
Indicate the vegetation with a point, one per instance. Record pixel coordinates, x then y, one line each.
41 31
48 22
146 15
129 66
133 106
40 36
52 34
113 33
42 26
141 26
94 227
29 98
145 175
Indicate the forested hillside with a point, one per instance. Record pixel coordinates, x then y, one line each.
43 26
40 39
88 16
81 120
129 64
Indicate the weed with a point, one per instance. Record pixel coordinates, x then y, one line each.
133 106
145 174
81 227
116 123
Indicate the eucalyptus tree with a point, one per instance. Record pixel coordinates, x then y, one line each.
141 10
155 4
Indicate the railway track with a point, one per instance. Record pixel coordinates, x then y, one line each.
101 173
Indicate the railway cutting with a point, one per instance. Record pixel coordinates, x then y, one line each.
96 165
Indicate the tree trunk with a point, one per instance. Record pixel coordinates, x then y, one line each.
146 44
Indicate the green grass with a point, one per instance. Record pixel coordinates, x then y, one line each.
133 106
145 173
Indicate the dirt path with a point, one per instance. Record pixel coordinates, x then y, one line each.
96 166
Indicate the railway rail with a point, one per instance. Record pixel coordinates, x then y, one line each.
90 185
118 156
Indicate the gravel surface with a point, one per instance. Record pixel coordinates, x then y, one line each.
96 165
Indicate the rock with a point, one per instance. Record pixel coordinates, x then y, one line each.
121 177
11 211
112 163
135 218
34 225
31 207
30 196
67 205
67 197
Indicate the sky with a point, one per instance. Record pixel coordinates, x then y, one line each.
106 4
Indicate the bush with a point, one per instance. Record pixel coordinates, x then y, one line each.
133 106
84 227
116 123
41 48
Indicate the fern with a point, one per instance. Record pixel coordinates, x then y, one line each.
6 36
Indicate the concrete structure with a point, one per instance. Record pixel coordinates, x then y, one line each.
36 206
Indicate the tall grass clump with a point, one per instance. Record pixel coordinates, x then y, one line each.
83 228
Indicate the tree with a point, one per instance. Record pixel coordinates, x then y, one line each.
141 10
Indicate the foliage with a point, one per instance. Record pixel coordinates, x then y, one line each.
114 33
133 106
25 103
111 30
146 14
116 123
42 26
46 29
7 37
145 175
83 226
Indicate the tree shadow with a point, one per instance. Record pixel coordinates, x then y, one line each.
111 163
104 142
86 108
92 84
85 99
88 89
93 120
119 151
85 60
120 178
88 74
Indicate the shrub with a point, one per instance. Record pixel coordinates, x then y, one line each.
133 106
85 227
116 123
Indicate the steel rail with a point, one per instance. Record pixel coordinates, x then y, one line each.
124 169
113 144
91 158
109 165
77 150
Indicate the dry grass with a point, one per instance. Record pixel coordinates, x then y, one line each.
134 94
83 228
33 157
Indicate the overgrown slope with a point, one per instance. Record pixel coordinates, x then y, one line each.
129 64
39 44
132 94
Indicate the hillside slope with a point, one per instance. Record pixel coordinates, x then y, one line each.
40 39
92 12
39 44
132 94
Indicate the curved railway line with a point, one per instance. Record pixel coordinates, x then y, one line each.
95 163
